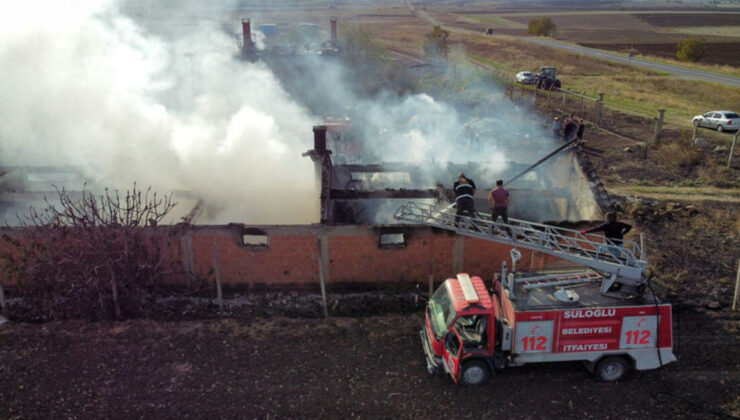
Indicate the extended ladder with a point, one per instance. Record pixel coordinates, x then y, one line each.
625 265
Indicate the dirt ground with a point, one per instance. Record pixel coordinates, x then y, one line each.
370 367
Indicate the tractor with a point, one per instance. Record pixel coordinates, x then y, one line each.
546 79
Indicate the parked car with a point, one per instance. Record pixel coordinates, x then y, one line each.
718 120
526 77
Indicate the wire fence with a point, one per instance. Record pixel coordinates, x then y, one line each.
592 110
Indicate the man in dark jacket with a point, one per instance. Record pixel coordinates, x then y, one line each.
464 191
614 232
581 127
571 126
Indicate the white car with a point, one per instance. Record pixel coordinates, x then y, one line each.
718 120
526 77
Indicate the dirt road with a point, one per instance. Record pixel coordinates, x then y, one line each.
680 193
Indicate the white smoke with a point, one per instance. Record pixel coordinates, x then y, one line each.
84 85
157 97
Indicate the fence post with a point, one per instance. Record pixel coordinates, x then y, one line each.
323 259
2 300
583 97
562 104
431 277
217 272
658 126
600 110
732 149
737 285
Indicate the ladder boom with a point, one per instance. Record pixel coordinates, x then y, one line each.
568 244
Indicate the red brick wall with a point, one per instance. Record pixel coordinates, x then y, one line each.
354 256
290 259
484 258
357 258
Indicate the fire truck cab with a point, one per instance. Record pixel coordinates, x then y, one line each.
470 332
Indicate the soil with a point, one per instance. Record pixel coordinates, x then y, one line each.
369 367
690 19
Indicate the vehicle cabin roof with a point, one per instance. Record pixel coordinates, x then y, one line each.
725 112
481 300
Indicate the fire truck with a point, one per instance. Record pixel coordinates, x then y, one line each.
604 314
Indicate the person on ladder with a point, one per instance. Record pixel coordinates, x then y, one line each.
614 232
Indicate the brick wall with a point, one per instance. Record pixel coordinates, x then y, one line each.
354 255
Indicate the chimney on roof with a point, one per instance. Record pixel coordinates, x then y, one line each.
319 138
247 34
333 21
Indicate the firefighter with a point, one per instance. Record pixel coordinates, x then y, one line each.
581 127
464 191
571 125
557 125
614 232
498 202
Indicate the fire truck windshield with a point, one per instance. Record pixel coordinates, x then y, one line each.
441 312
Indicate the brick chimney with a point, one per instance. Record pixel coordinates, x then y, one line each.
248 44
333 21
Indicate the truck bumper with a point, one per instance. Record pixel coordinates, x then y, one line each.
434 363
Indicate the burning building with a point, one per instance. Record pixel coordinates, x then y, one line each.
229 135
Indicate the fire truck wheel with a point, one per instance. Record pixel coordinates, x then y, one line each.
612 369
475 372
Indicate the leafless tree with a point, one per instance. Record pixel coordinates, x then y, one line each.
93 257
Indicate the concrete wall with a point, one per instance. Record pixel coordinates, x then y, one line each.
348 255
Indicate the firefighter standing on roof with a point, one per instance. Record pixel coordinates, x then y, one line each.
498 202
464 191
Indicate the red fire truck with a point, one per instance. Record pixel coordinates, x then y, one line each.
469 332
605 315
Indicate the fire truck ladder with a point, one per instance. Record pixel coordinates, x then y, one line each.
559 280
626 265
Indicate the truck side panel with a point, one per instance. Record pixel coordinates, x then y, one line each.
589 333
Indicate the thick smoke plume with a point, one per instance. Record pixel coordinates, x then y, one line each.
128 92
87 86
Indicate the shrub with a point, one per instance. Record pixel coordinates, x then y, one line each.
541 27
691 49
89 258
682 156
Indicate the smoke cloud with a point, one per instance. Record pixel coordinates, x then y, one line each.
87 86
131 94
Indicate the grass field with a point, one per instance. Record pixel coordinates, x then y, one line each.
626 88
728 30
495 21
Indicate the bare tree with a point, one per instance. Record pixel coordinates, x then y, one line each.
93 257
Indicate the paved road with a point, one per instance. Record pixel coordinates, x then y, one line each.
682 72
